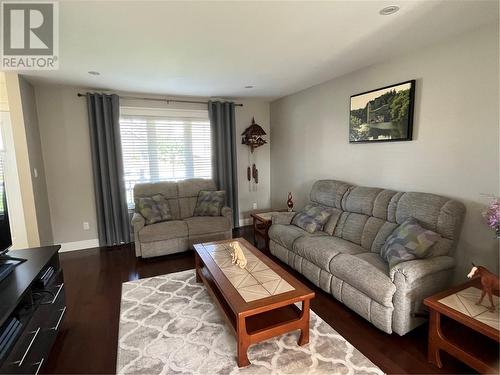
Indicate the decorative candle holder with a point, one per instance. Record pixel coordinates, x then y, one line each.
289 202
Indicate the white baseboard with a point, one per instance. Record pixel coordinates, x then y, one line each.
246 221
79 245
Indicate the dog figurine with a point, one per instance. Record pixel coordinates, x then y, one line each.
489 281
237 255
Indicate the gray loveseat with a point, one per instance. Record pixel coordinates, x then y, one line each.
184 230
344 259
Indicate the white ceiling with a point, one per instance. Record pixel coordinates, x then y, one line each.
217 48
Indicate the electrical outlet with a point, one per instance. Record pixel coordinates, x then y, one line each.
35 172
254 205
86 225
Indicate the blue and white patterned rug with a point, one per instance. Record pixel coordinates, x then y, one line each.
169 325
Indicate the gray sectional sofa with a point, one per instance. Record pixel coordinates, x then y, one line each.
184 230
343 259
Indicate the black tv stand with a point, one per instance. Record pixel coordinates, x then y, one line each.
7 265
5 258
32 309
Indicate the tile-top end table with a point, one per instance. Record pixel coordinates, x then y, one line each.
474 332
261 223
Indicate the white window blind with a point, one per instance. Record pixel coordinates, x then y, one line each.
164 145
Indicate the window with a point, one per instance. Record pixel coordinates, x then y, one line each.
164 145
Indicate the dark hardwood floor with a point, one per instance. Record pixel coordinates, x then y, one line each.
88 339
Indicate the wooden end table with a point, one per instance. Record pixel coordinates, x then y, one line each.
472 334
261 223
258 301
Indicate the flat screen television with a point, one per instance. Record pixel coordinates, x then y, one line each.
5 235
7 262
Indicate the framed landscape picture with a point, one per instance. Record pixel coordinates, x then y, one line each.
383 115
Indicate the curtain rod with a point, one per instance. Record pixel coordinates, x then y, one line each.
165 100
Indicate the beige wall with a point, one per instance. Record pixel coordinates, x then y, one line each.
455 151
4 103
18 149
14 199
62 118
65 140
35 158
250 192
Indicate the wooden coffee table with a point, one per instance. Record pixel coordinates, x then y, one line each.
258 301
470 332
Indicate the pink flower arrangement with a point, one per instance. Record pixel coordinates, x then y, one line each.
492 216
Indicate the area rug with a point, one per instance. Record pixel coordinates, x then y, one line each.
169 325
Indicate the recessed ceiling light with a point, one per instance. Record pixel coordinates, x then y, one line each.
93 73
249 87
391 9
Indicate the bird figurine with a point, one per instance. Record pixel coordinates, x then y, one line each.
237 255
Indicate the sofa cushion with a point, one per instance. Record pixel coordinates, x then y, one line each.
285 234
361 200
186 207
154 209
312 218
207 224
192 186
209 203
188 191
408 241
166 188
439 214
365 277
329 192
375 260
320 250
163 231
332 221
147 207
162 204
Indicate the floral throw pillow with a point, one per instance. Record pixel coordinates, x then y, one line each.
408 241
210 203
154 209
312 218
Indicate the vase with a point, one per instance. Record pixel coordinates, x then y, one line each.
289 202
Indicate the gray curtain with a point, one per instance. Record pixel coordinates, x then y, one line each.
109 185
223 125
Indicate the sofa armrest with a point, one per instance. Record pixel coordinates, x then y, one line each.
282 217
416 280
138 221
414 270
227 212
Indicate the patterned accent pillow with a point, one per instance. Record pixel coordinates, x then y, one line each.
408 241
210 203
154 209
312 217
163 206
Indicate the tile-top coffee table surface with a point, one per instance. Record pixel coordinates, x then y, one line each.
259 301
253 282
465 300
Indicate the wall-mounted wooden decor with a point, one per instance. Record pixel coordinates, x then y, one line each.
253 136
255 174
